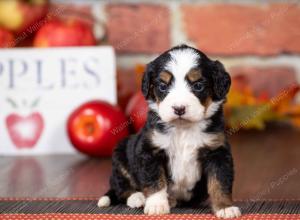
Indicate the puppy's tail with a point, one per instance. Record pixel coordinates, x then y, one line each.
108 199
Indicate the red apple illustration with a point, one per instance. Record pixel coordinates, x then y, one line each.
25 131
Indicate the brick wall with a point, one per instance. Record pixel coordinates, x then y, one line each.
260 39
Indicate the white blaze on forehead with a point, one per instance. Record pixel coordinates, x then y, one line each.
182 61
180 94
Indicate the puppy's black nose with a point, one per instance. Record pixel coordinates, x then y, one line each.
179 110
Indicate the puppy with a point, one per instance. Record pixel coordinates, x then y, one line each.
181 155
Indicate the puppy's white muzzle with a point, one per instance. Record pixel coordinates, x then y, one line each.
181 104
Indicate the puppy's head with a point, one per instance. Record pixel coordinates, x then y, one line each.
183 84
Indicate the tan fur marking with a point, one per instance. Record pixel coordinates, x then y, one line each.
162 182
127 176
165 77
194 75
172 201
219 199
126 194
217 140
207 103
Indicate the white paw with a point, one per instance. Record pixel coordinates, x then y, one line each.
157 203
104 201
136 200
229 212
153 207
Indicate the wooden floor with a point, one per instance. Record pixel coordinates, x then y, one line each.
267 167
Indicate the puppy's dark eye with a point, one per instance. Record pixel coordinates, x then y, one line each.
162 87
198 86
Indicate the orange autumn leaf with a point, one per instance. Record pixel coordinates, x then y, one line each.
138 71
284 100
240 93
242 104
139 68
238 98
263 97
296 121
292 111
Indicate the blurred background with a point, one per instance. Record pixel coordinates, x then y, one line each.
257 41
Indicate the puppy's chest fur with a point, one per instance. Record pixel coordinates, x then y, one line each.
182 148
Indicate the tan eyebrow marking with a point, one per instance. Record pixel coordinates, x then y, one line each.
194 75
165 77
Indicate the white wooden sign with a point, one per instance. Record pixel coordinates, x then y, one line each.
39 88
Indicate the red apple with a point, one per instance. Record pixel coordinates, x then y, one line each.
95 128
17 15
6 38
25 131
70 32
137 110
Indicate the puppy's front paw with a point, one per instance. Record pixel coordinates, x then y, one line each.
229 212
157 207
104 201
172 202
136 200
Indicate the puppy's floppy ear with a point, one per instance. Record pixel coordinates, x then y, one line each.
147 81
221 80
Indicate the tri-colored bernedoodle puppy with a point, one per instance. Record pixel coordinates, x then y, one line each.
181 156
